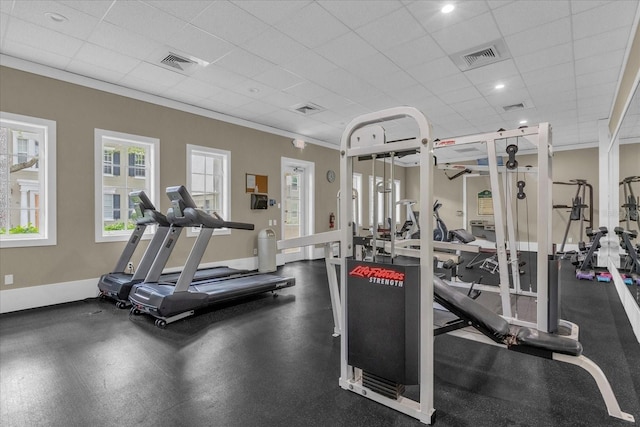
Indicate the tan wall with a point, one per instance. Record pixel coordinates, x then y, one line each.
567 165
79 110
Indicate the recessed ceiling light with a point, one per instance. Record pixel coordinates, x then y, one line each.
56 17
522 122
500 86
447 8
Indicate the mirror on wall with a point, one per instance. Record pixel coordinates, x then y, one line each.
629 140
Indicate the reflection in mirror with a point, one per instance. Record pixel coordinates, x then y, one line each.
629 139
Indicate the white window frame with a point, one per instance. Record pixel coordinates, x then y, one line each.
225 156
153 147
47 181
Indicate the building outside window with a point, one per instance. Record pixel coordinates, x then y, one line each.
27 181
124 163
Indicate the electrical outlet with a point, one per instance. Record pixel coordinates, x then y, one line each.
8 279
275 222
570 240
130 268
255 251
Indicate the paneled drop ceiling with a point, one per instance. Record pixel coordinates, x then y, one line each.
309 67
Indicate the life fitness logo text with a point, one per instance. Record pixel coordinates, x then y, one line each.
379 275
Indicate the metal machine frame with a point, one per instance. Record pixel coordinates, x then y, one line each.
363 145
540 137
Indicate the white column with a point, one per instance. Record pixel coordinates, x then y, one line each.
609 204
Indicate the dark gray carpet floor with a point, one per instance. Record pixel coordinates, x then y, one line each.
273 362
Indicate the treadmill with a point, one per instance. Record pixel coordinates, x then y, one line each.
117 284
169 303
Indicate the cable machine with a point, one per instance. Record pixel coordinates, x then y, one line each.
631 203
578 204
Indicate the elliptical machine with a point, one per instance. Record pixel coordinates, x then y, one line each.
440 233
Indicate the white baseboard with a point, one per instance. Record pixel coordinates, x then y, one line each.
58 293
43 295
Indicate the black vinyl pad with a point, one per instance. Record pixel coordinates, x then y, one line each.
528 337
489 323
462 235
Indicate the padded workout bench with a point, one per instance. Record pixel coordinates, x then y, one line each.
520 339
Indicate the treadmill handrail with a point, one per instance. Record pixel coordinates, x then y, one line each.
192 217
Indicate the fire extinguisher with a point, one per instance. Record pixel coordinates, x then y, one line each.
332 220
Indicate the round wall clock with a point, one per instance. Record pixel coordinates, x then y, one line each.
331 175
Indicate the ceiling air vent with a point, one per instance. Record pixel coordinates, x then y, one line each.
487 54
307 109
482 55
514 107
184 64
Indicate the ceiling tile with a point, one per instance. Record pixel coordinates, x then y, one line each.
218 76
523 15
278 78
96 8
472 104
253 89
433 70
312 26
284 100
231 98
332 101
591 64
493 72
90 70
432 19
258 108
414 52
600 77
494 4
34 54
183 9
453 82
105 58
143 19
124 41
460 95
354 14
193 41
4 23
510 83
549 74
346 48
372 66
465 35
392 30
604 18
242 62
196 88
539 38
272 11
391 84
601 43
223 19
78 24
578 6
510 97
307 91
309 65
605 90
155 74
552 56
43 39
274 46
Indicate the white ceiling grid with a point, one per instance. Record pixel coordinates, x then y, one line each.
349 57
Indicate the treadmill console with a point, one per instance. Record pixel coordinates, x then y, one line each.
141 202
180 199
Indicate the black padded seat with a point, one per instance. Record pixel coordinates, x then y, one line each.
534 339
462 235
489 323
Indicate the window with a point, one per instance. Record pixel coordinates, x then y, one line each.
27 181
123 163
209 181
384 200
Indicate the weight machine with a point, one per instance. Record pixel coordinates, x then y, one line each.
578 205
631 203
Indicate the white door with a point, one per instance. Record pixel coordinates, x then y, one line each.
297 218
